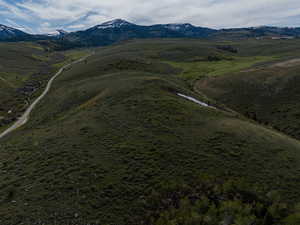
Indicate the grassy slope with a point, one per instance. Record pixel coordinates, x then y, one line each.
266 93
21 63
250 53
20 60
72 55
197 70
112 128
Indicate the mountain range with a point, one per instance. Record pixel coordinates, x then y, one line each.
9 33
120 30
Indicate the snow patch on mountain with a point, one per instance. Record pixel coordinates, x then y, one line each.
4 28
57 33
178 26
118 23
62 32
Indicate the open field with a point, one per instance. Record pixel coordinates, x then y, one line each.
197 70
72 55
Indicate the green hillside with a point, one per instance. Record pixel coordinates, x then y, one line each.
267 93
113 129
25 68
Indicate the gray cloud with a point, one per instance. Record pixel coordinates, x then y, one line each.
79 14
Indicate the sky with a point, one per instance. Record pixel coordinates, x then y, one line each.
45 16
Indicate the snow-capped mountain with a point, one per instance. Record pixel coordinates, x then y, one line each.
117 23
120 30
5 28
52 34
62 32
57 33
178 26
12 34
186 30
7 33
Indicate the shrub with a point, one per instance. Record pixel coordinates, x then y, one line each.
211 201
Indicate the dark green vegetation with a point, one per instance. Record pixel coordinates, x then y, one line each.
112 129
268 93
258 32
25 68
210 201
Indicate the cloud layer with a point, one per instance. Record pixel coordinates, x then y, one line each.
42 16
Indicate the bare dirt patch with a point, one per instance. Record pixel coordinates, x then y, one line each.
249 70
288 63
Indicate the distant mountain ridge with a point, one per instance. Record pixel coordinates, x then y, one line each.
261 31
9 33
118 23
120 30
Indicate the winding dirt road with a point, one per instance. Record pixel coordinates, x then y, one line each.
25 117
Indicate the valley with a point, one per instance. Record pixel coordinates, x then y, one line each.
21 83
22 120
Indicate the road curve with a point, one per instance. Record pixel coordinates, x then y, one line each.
25 117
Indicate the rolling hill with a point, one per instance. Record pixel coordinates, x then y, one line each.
25 67
268 92
113 128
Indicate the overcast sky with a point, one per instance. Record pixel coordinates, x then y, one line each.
45 16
